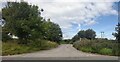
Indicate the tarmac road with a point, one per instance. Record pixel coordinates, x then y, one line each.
63 52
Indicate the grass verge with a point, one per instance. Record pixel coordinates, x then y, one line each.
12 48
104 47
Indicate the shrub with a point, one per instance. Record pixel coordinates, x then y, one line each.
51 44
86 49
106 51
116 49
43 44
101 46
84 42
5 37
96 47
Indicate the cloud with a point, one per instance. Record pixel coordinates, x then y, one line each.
66 13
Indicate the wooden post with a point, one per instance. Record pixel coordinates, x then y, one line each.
80 39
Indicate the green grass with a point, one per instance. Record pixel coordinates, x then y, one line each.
12 48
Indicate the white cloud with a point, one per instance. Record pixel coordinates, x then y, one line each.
69 12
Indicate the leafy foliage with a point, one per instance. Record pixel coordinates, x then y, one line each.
89 34
51 31
24 21
33 32
5 36
117 34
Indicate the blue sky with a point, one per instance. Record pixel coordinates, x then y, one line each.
106 24
76 15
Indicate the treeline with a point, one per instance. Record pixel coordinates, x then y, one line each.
33 31
25 22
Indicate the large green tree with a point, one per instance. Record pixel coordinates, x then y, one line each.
82 34
51 31
89 34
24 21
21 19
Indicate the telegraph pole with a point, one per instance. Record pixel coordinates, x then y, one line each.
102 34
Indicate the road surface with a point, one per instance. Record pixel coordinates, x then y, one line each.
62 52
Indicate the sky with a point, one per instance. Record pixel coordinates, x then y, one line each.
76 15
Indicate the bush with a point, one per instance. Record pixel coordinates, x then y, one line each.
5 37
84 42
86 49
106 51
101 46
96 47
43 44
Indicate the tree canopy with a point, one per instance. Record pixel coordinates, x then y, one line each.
117 33
89 34
24 21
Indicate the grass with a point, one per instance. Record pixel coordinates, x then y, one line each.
99 46
12 48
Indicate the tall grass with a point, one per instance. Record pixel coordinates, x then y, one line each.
13 47
100 46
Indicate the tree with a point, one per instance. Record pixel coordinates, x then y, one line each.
25 21
5 36
90 34
56 33
117 33
22 19
75 38
51 31
82 34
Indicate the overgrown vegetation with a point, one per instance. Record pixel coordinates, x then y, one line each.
33 31
100 46
86 42
12 47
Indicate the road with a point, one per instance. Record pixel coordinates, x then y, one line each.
62 52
